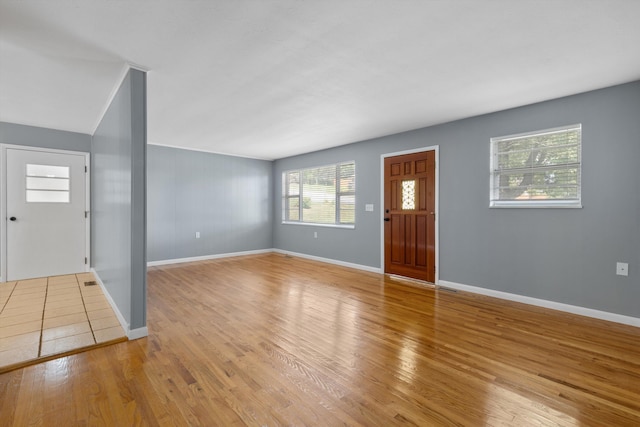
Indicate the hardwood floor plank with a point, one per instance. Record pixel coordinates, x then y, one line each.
274 340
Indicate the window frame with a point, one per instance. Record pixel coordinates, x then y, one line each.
286 196
495 202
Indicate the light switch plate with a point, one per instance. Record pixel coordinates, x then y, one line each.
368 207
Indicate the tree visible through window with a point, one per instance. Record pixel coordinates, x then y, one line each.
320 195
538 169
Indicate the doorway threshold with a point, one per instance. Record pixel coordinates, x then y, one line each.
412 280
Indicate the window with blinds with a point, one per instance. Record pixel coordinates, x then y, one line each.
47 184
537 169
320 195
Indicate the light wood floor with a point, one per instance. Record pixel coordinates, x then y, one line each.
272 340
44 317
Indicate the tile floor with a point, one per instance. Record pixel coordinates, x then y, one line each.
51 315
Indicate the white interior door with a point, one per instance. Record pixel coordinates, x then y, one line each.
45 213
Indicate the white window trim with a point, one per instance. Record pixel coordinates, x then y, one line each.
529 204
336 224
319 224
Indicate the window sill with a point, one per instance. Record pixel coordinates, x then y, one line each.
536 205
345 226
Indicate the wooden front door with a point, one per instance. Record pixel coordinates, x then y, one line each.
409 206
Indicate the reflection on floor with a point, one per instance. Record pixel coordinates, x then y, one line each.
40 318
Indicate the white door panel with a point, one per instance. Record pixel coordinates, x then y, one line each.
46 228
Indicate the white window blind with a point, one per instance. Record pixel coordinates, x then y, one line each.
320 195
537 169
47 184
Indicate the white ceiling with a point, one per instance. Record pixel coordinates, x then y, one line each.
274 78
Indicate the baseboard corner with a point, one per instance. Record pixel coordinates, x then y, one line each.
330 261
134 334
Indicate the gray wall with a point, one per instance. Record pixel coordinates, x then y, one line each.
11 133
227 199
118 230
562 255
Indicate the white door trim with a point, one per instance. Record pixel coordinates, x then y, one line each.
3 200
435 148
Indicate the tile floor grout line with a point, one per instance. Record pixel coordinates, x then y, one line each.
9 297
95 341
51 281
44 306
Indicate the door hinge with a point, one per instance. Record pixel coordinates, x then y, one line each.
85 260
86 169
86 214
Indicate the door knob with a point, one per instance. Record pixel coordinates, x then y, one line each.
387 219
13 218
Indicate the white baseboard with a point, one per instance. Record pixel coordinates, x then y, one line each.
132 334
264 251
330 261
207 257
588 312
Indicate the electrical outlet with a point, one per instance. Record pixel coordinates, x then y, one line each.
622 269
197 234
315 234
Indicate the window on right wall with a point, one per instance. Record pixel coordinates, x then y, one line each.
537 169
